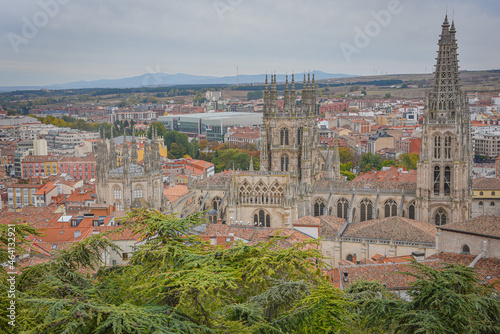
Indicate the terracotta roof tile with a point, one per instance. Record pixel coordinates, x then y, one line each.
483 225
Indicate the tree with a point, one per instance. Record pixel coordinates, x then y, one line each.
450 299
346 155
370 161
387 95
408 160
175 283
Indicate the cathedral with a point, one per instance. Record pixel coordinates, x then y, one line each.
297 178
124 183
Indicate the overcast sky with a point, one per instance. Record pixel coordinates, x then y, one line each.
42 43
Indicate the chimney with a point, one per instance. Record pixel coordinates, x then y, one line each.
418 256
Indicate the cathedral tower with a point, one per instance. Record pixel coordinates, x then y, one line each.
290 136
444 184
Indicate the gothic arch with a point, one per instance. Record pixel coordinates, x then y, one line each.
448 145
284 136
216 203
365 210
342 206
262 218
437 145
245 192
411 210
390 208
319 206
300 135
440 217
117 192
138 191
285 163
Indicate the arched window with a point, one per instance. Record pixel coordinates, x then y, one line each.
284 163
366 210
300 133
261 217
117 192
411 210
492 193
255 219
437 147
447 180
492 204
268 221
319 207
284 136
447 147
437 180
440 217
349 258
481 193
390 208
465 250
138 192
480 202
342 207
216 203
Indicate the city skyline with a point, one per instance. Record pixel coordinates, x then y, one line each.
57 41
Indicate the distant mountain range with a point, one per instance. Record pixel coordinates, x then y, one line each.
163 79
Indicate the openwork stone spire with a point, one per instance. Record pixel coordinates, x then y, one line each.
444 97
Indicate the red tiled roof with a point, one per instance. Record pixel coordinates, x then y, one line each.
173 193
486 183
482 225
389 274
393 228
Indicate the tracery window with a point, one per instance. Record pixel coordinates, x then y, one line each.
411 210
437 147
447 180
447 147
391 208
440 217
437 180
319 207
342 207
366 210
284 136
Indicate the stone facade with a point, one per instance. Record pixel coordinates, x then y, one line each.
129 185
298 179
444 182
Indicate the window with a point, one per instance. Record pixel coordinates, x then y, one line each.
261 217
113 262
492 204
138 193
118 193
480 202
411 211
349 258
216 203
447 147
465 250
268 221
437 180
284 163
391 208
124 256
366 210
440 217
481 193
492 193
319 207
437 147
447 181
284 136
300 133
342 207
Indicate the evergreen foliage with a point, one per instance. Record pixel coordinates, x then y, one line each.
176 283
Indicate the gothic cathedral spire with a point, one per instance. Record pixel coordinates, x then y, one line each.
444 186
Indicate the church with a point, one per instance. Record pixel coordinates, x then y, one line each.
297 178
124 183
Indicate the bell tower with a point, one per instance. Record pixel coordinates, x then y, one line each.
444 182
290 136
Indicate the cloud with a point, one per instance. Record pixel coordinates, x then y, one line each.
88 40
